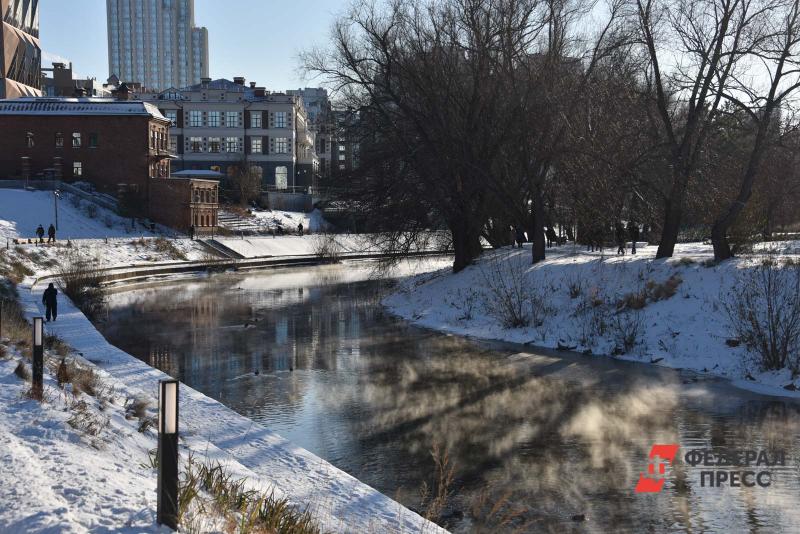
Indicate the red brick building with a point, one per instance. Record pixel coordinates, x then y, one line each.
183 202
117 145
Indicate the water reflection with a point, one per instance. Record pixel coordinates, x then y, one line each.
539 441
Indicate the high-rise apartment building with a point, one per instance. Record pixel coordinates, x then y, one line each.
20 52
155 43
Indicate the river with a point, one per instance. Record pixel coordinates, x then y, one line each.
536 441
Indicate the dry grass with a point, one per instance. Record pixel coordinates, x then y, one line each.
22 371
168 248
240 509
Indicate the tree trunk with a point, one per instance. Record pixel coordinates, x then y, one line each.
538 248
673 213
466 244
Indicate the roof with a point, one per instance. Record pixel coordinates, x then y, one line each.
78 106
197 174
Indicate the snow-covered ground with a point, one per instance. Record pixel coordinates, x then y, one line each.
292 245
58 478
580 294
290 219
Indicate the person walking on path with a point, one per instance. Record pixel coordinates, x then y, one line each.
40 233
300 229
551 236
520 237
633 235
50 301
620 235
51 234
191 232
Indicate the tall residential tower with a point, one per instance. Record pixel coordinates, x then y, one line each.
155 43
20 52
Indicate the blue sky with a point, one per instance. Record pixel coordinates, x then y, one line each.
257 39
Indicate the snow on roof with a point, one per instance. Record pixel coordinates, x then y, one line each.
78 106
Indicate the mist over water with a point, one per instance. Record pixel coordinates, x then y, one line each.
538 440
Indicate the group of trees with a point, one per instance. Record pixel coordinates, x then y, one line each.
475 115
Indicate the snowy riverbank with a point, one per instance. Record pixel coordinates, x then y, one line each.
681 322
86 484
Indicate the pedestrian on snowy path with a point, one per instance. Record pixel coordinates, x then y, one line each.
50 301
300 229
551 236
191 232
40 233
633 235
620 235
51 234
520 237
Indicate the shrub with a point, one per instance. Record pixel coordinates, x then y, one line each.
574 285
168 248
81 281
21 370
626 328
512 299
763 312
325 247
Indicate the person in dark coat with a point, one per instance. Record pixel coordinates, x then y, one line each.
40 233
520 237
551 236
191 232
633 235
51 234
300 229
50 301
619 232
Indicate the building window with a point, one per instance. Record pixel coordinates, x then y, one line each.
281 145
77 168
29 140
59 140
232 119
76 140
214 144
342 157
256 145
196 144
93 140
213 119
173 144
255 119
232 144
172 115
281 177
195 119
280 119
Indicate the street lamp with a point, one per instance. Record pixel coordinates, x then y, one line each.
56 196
167 511
37 386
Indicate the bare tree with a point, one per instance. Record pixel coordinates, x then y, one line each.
246 183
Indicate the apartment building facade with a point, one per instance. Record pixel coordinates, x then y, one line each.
155 43
322 122
20 50
226 126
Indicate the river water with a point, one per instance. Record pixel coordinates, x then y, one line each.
536 441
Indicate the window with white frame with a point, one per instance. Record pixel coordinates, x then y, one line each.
256 145
76 140
214 144
77 168
172 115
196 144
214 119
232 144
195 118
255 119
232 119
281 145
173 144
280 119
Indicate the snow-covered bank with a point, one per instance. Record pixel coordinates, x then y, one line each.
109 489
579 296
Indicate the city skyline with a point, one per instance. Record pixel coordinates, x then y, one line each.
235 43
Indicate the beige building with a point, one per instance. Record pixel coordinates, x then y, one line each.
155 43
223 125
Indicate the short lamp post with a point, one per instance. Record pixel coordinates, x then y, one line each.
167 511
37 385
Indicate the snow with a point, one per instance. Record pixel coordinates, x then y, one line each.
289 245
56 479
688 330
